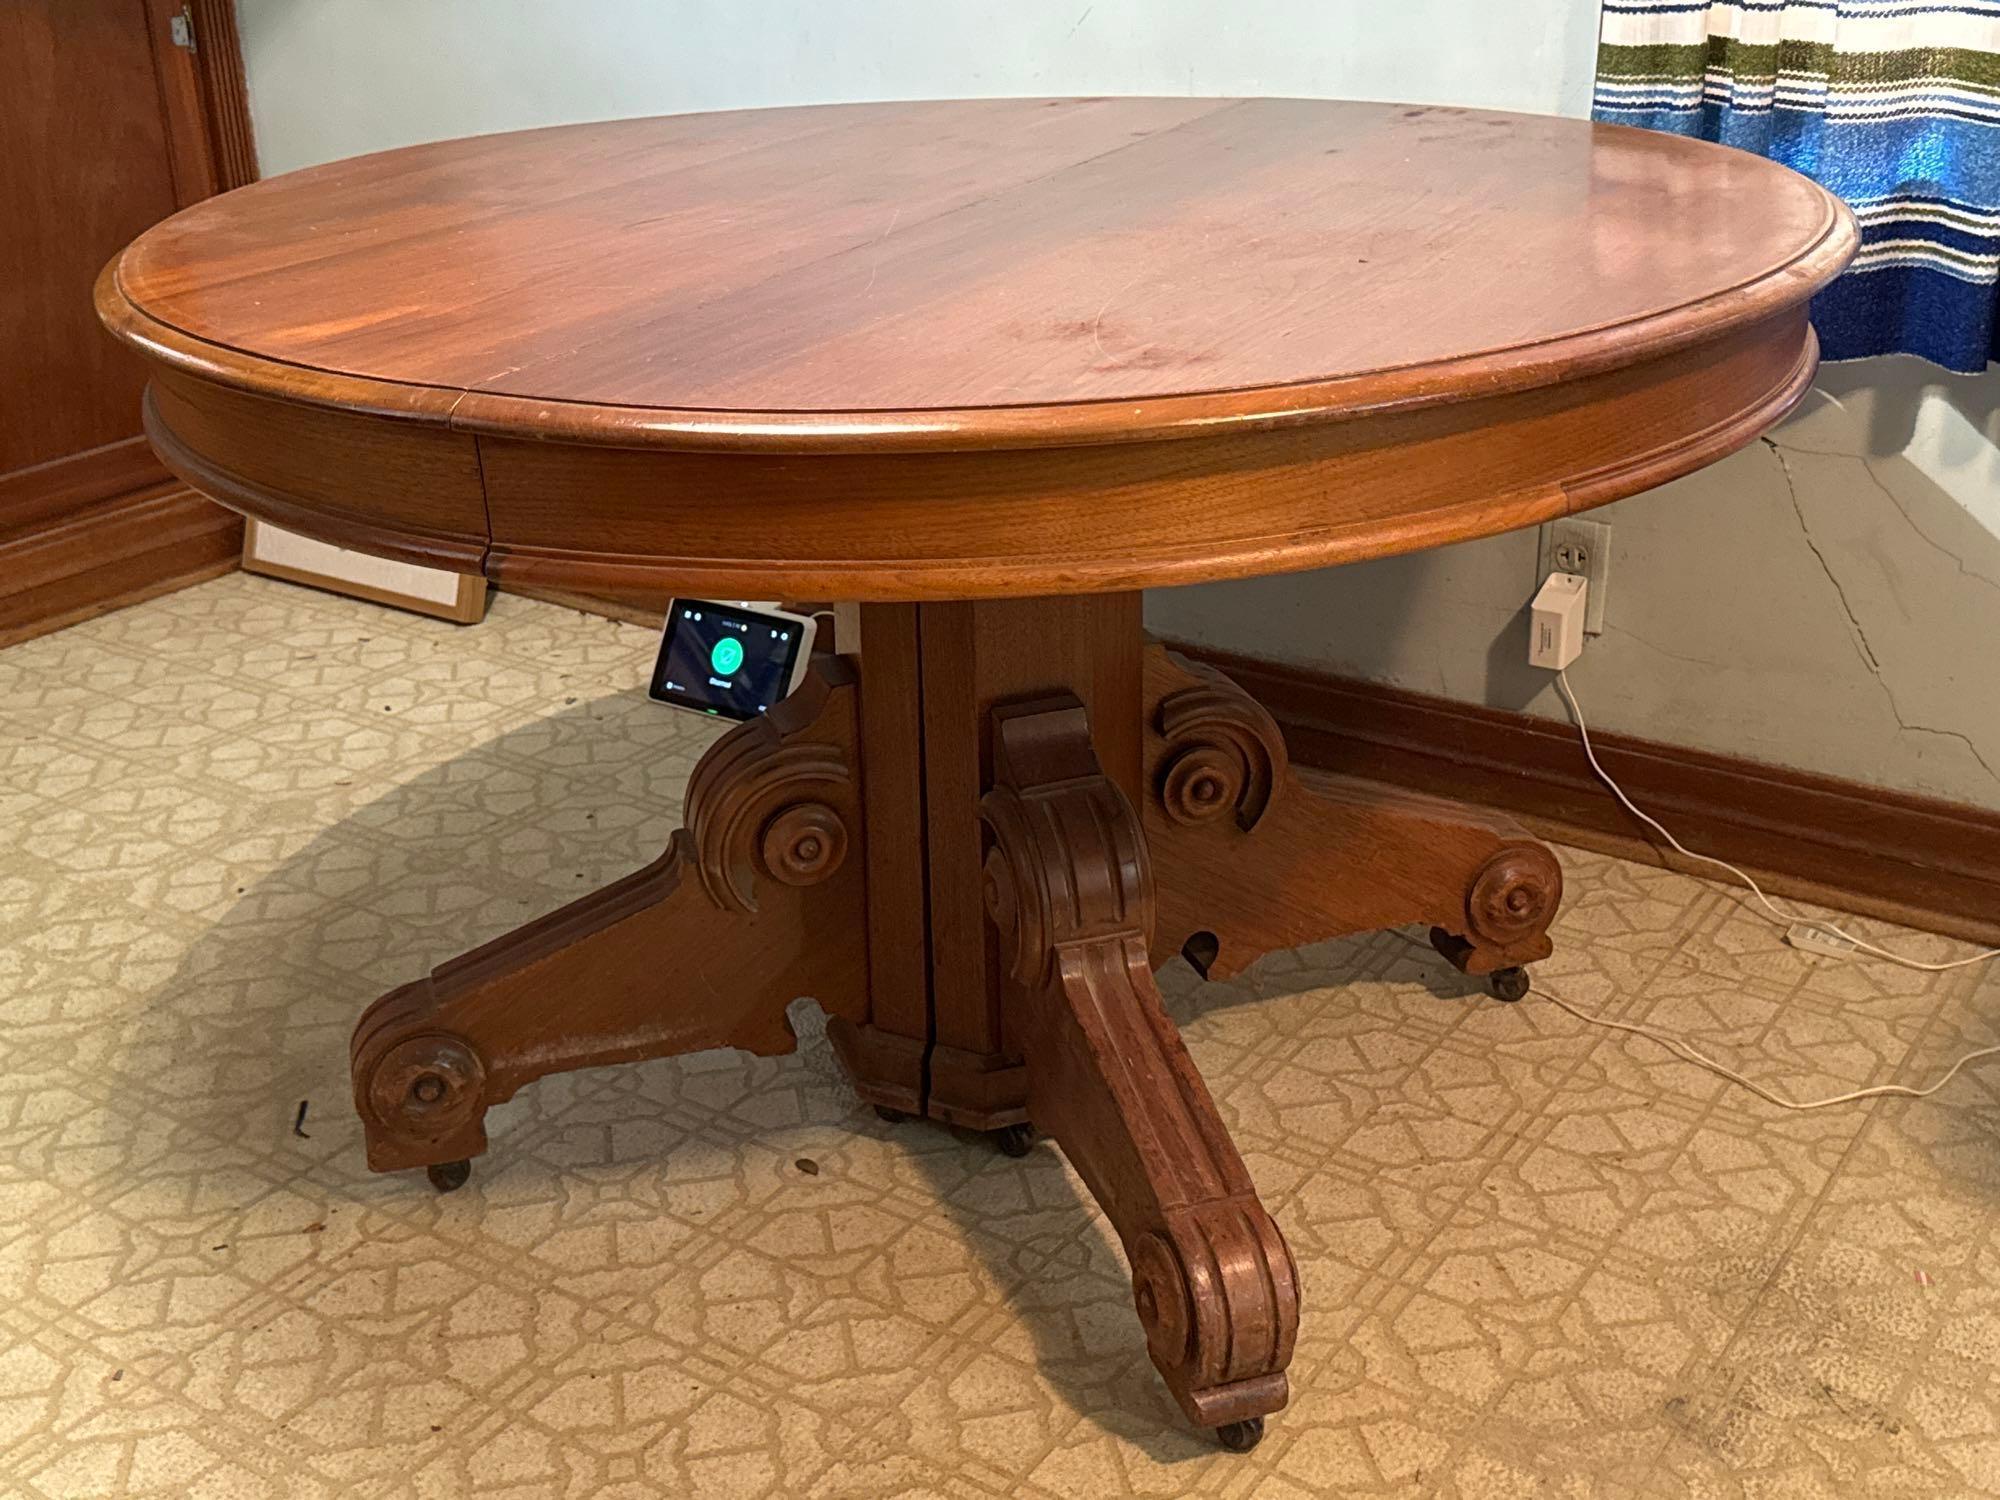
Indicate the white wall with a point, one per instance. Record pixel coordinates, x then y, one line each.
331 78
1814 601
1828 600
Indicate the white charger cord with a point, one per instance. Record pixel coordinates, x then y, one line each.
1689 1053
1778 912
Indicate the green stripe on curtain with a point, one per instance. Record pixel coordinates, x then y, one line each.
1977 72
1892 104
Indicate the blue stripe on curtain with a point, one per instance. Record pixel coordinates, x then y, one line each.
1906 310
1918 157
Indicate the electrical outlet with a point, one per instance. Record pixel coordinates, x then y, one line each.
1572 545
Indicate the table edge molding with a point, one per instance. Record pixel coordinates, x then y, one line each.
1190 513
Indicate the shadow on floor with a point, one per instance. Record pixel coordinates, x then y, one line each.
254 1024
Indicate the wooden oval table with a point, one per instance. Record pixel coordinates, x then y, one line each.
980 371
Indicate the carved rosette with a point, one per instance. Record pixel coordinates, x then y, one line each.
758 807
425 1087
1514 896
1225 755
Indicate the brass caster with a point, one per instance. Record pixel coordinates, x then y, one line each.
449 1176
1015 1140
1241 1437
1508 984
890 1116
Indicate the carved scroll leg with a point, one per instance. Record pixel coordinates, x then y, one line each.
1109 1078
759 900
1250 860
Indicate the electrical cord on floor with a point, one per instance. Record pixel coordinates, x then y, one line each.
1696 1056
1777 912
1689 1053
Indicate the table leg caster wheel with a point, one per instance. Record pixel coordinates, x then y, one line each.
1508 984
1241 1437
890 1116
449 1176
1015 1140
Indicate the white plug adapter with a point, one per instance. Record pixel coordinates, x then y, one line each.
1555 621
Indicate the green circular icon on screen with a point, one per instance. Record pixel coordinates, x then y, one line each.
727 656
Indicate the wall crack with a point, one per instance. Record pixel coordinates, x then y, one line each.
1805 530
1866 650
1654 646
1932 542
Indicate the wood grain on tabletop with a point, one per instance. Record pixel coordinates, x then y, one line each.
970 254
1033 346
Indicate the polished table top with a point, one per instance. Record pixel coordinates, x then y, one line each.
983 277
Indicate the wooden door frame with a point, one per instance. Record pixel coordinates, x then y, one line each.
205 99
112 526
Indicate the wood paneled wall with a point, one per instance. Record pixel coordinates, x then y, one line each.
107 124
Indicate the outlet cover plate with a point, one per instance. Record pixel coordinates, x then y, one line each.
1574 545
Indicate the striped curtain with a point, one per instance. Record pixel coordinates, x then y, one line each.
1892 104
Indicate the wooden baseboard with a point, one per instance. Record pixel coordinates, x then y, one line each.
108 556
1915 860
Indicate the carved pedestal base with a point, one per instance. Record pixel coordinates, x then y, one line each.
1070 890
1252 861
757 901
973 855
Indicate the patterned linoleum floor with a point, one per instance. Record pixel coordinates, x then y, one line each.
1540 1258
